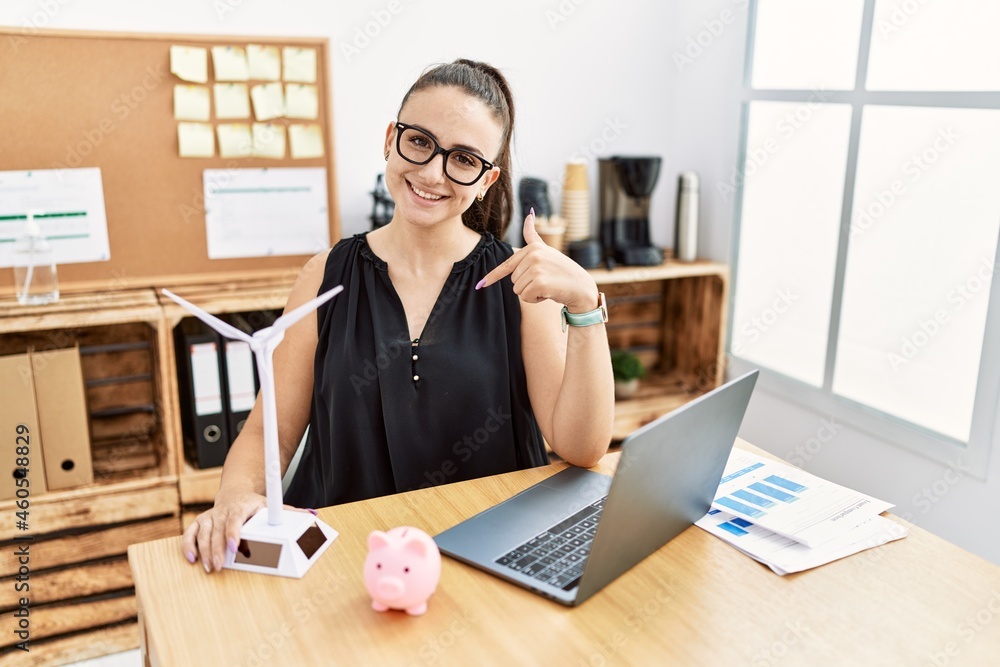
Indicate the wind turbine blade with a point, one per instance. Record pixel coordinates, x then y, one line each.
223 328
288 319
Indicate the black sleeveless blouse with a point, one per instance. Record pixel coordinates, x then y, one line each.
390 414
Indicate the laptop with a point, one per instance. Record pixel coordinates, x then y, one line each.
572 534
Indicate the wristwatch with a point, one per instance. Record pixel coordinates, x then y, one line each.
597 316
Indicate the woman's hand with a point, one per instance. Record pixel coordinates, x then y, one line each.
540 272
217 530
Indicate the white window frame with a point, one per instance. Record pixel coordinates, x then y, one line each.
822 401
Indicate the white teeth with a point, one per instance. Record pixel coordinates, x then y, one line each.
424 195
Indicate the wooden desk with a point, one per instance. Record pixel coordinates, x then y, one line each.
696 601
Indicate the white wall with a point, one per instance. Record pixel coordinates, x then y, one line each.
654 78
583 72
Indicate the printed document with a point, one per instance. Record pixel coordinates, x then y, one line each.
791 502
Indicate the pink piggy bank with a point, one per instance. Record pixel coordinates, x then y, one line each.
402 569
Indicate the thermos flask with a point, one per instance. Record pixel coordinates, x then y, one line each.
686 233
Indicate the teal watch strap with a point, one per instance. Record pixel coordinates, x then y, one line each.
597 316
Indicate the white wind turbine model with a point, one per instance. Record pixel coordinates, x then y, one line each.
273 541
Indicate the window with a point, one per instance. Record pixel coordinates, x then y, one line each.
868 216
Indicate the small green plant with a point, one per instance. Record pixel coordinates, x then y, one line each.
626 366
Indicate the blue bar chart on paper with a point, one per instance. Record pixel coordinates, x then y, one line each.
789 501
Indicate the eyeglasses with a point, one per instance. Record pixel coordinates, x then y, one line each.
418 146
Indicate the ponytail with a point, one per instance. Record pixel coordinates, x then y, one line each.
487 84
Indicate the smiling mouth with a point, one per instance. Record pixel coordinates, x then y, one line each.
427 196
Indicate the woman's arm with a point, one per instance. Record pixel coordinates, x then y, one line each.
569 374
242 488
569 381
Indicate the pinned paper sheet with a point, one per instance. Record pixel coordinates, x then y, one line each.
300 64
189 63
268 101
269 141
68 206
266 212
230 63
265 62
307 141
231 100
191 102
195 140
234 140
301 101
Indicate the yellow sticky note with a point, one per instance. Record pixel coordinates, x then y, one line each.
306 140
195 140
268 101
301 101
264 62
234 140
191 102
230 63
189 63
300 64
231 100
269 140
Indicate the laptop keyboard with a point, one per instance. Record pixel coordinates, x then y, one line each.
556 556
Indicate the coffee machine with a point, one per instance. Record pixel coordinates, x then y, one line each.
626 184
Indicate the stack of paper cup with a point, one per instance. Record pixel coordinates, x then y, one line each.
552 230
576 202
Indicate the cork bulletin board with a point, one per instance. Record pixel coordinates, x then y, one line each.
98 99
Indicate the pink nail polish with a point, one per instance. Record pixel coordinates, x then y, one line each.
190 557
532 212
313 512
480 284
231 545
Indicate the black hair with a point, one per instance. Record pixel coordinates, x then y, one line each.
487 84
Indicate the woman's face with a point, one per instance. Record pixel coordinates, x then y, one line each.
423 194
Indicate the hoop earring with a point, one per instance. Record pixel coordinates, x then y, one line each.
480 196
386 156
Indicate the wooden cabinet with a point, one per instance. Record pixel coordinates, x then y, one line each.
82 602
82 597
673 316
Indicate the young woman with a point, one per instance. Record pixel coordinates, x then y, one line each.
447 355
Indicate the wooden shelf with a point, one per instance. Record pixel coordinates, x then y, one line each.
669 270
94 505
198 487
658 394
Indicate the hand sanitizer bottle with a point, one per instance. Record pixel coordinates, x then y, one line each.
34 266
